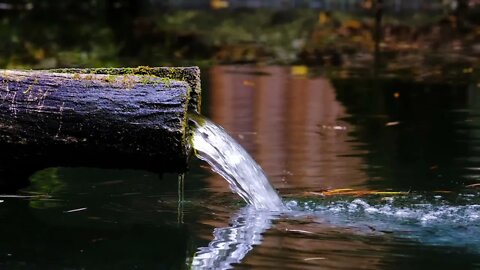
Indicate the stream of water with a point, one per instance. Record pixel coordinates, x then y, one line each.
213 145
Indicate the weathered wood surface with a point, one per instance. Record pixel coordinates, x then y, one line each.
118 118
191 75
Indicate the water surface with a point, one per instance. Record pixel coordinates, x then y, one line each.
310 134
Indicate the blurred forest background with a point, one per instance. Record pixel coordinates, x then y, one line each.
421 38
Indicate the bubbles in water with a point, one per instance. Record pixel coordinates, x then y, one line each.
428 219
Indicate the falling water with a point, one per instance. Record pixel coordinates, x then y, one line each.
213 145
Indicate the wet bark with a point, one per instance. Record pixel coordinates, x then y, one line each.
124 119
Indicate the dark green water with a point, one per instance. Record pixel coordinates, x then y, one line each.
310 134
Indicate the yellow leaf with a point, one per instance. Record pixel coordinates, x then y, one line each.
299 70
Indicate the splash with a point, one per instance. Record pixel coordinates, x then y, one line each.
226 157
437 220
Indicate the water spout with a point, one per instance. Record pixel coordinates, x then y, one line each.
226 157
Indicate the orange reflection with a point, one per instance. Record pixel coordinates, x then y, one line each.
291 125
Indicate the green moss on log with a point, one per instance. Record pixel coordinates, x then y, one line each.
191 75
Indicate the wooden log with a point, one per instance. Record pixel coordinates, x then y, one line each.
115 118
191 75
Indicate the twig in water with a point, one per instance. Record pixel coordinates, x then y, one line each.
75 210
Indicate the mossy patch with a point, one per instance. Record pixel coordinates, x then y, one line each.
191 75
110 78
168 82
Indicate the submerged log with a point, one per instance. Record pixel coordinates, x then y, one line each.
115 118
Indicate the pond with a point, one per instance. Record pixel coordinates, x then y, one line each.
381 172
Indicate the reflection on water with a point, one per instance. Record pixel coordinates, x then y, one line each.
293 126
316 133
432 143
231 244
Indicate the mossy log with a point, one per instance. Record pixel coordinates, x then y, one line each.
115 118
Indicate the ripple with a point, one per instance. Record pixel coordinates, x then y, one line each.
451 220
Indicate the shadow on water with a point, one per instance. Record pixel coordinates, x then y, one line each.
53 242
75 218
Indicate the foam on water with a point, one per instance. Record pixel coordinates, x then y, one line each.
226 157
433 220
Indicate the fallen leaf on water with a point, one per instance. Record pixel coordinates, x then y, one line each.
313 193
314 258
389 124
338 190
300 231
348 191
388 192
